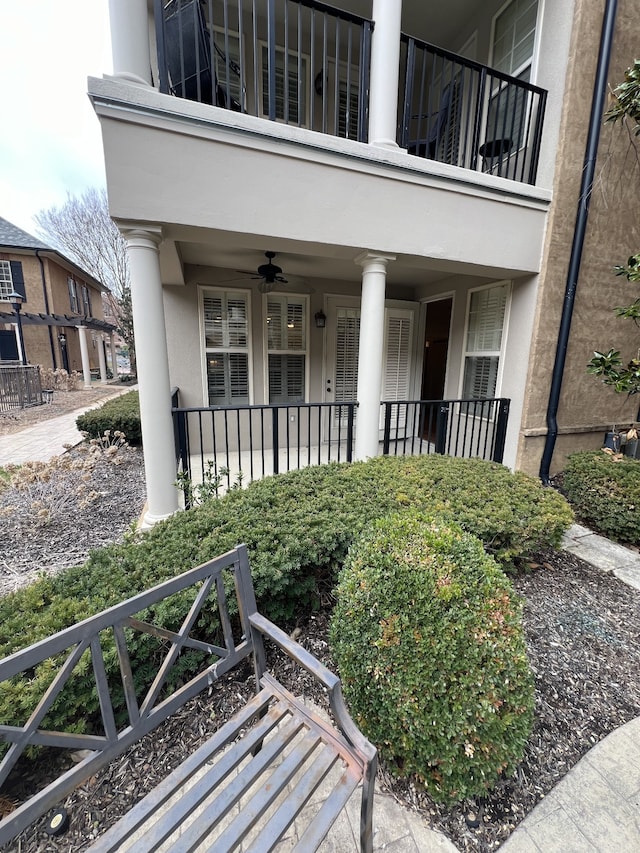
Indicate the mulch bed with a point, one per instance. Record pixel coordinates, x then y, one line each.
583 635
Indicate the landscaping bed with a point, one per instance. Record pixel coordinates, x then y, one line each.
583 637
582 632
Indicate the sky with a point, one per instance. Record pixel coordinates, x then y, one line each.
50 144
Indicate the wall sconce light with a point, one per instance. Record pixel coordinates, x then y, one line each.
321 320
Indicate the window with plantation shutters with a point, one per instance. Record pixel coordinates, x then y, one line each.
396 375
226 340
287 348
485 323
514 38
291 86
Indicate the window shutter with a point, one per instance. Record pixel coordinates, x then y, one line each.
486 317
397 364
395 380
347 344
17 278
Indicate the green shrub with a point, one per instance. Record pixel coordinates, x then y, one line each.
297 528
605 491
121 413
428 639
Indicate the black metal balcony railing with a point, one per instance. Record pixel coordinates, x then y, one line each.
19 386
463 113
232 445
298 62
304 63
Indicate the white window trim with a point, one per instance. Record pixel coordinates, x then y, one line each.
265 344
206 288
503 342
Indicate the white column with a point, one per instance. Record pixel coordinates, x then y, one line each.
84 356
153 372
370 352
101 359
385 69
114 355
129 22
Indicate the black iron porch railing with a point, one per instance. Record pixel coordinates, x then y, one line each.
19 386
236 444
298 62
460 112
227 446
467 428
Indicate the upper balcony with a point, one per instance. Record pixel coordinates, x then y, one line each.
303 63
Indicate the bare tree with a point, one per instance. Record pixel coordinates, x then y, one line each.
82 229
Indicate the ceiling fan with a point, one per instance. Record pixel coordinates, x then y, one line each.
269 275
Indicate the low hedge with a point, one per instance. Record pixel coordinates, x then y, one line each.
297 527
604 489
427 634
121 413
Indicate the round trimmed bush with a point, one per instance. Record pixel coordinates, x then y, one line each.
604 489
428 640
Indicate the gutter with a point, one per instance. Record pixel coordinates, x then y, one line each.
46 308
582 216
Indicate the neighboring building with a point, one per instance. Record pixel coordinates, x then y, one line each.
63 325
420 200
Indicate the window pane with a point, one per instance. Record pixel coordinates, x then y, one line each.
296 86
289 335
225 320
480 377
514 36
6 283
486 318
228 379
286 378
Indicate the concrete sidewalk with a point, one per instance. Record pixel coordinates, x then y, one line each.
40 442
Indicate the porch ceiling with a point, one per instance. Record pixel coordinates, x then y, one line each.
304 262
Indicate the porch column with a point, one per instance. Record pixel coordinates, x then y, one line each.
370 352
114 355
101 359
84 356
153 372
129 23
385 69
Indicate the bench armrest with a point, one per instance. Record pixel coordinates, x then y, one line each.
327 678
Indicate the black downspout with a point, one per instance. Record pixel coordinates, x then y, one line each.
46 308
586 186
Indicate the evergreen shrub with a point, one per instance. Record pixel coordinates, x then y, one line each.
121 413
298 528
604 489
428 639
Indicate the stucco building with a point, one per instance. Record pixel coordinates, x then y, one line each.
416 169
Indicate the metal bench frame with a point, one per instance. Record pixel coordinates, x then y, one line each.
275 715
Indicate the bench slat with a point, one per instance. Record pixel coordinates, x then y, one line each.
275 827
133 820
328 812
277 781
235 790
